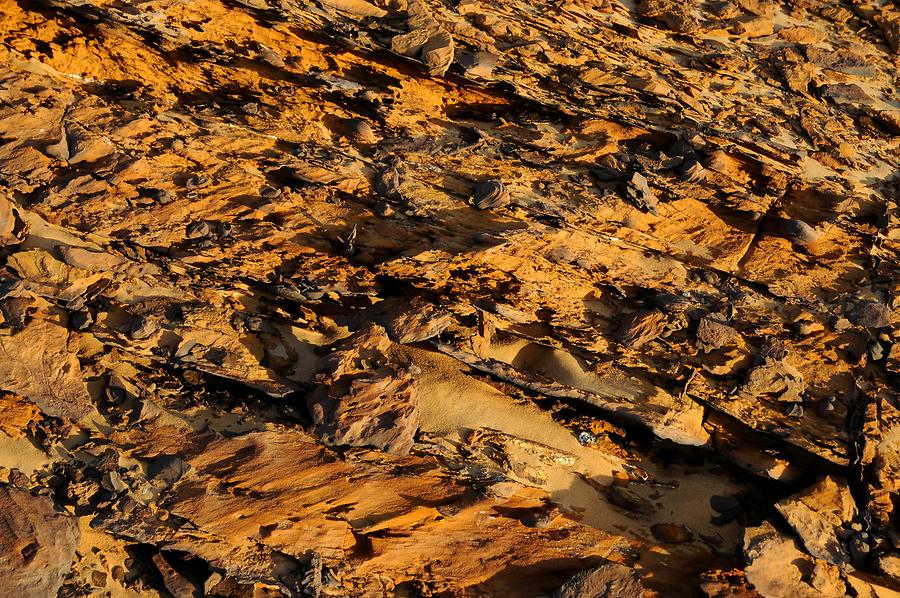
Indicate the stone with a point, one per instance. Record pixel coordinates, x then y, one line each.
606 580
671 533
490 195
818 514
870 314
37 546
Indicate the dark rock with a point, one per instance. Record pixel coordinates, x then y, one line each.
640 194
876 351
723 504
387 182
713 333
81 320
15 311
267 192
629 501
197 182
869 314
800 232
825 406
860 549
671 533
489 195
198 230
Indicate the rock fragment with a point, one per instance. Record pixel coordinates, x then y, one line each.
640 194
387 182
818 515
416 321
81 320
198 230
426 39
869 314
713 333
12 226
37 545
641 327
490 195
197 181
671 533
162 196
677 16
359 8
363 399
37 364
479 64
606 580
142 328
776 567
775 378
175 583
800 232
361 131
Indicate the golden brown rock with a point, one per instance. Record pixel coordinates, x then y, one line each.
256 341
37 544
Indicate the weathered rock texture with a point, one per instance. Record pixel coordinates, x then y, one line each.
431 298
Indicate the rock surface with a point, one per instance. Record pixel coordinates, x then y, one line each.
37 544
368 298
818 514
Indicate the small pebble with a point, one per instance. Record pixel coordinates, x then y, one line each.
795 411
269 192
162 197
198 230
361 131
197 182
800 232
825 407
586 438
723 504
383 209
671 533
876 351
489 195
